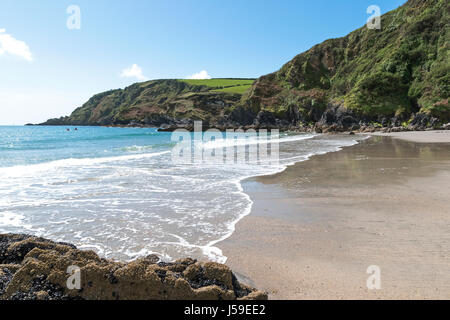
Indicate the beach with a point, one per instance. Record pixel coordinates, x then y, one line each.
432 136
120 192
316 228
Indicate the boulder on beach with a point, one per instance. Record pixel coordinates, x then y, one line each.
33 268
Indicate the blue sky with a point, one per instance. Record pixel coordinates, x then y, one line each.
48 70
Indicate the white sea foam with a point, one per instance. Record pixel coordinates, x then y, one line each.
133 205
251 140
16 171
213 252
136 148
11 219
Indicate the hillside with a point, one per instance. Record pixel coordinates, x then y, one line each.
159 102
397 77
370 76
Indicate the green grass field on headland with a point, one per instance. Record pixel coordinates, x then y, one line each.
241 89
239 86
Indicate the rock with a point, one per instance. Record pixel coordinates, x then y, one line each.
42 295
241 116
153 258
422 121
264 119
348 121
397 129
33 268
338 119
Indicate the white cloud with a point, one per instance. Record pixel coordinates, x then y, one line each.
133 72
12 46
201 75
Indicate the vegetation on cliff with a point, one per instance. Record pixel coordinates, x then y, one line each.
397 76
398 70
239 86
159 102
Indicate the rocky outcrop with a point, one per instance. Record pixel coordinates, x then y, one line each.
33 268
398 76
153 103
395 77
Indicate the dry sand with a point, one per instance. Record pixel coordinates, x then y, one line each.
434 136
315 228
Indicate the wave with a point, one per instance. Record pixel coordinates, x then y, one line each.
252 140
213 252
12 219
198 207
41 143
9 172
137 148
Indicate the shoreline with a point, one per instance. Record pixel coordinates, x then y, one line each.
277 198
433 136
254 233
239 183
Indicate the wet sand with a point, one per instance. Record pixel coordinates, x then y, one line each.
315 228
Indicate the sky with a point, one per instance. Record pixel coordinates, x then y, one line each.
56 54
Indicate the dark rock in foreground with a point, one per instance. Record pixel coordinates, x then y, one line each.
33 268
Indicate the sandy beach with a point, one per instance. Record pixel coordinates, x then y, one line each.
315 228
433 136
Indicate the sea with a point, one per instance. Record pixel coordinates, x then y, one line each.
122 193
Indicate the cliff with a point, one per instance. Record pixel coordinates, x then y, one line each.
158 102
398 75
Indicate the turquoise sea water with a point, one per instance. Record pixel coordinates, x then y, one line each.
118 191
32 145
